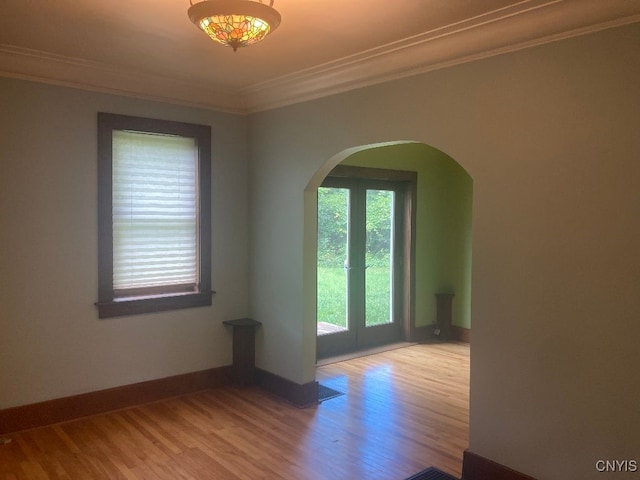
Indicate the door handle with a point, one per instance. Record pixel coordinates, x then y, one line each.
347 267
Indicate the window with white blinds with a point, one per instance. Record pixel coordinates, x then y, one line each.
154 215
155 238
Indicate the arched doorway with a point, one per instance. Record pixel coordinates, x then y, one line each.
441 242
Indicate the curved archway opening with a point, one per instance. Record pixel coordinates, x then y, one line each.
442 237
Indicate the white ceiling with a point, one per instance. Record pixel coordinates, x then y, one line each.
150 49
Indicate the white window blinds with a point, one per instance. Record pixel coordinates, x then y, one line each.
155 200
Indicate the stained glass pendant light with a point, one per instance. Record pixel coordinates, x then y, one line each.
235 23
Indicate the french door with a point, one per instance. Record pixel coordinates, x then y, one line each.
360 264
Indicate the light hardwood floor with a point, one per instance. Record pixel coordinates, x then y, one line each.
402 411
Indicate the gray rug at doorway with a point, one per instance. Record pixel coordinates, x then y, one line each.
432 473
326 393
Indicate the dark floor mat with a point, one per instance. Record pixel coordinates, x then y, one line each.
326 393
432 473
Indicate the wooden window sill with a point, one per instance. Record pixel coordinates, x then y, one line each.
155 303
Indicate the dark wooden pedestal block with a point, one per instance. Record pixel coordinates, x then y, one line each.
244 350
444 314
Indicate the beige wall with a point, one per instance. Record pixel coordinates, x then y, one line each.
550 138
51 341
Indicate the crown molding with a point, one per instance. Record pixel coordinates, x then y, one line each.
27 64
525 24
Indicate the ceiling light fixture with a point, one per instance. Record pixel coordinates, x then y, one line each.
235 23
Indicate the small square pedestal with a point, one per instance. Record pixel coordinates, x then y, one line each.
244 350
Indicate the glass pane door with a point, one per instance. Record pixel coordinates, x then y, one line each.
359 301
379 257
333 260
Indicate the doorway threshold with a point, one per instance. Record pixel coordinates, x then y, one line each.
363 353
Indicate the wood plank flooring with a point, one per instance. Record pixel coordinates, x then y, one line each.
402 411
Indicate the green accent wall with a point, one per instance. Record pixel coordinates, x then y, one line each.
443 224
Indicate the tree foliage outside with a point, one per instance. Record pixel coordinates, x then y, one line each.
379 222
333 226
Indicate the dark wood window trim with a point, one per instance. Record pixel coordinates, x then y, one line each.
108 304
